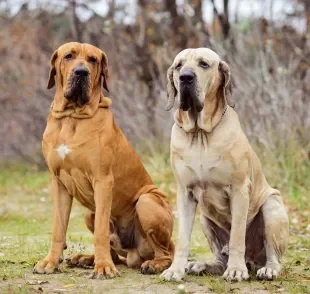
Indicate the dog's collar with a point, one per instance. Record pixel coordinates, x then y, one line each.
196 127
224 112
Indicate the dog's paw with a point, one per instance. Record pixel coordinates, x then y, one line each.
197 268
80 260
239 273
104 272
171 274
202 268
150 267
267 273
45 266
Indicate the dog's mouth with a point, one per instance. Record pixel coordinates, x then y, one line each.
189 100
78 89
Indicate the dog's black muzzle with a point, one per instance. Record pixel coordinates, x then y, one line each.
188 92
79 86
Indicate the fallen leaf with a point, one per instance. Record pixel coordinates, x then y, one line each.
69 286
34 290
34 282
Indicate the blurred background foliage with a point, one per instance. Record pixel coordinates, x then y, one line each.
266 43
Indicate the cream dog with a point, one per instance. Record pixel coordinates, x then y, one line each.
243 218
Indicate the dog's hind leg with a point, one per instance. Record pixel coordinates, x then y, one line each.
87 260
84 260
156 221
81 260
276 236
218 240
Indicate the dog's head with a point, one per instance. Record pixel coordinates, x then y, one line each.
79 69
195 75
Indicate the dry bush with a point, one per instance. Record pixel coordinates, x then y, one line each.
24 103
271 92
270 68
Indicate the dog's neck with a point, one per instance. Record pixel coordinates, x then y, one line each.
61 107
214 109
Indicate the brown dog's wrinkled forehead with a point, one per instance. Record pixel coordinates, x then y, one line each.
79 48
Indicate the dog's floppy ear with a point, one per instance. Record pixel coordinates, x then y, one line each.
51 78
227 85
104 70
171 90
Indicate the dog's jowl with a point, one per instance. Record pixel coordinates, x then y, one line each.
242 217
90 159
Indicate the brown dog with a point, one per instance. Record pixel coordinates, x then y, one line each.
91 160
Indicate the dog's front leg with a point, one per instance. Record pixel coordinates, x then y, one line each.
186 206
104 266
239 205
62 208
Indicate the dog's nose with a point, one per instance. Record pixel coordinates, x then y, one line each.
81 71
187 77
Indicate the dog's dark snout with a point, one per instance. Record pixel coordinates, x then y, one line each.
81 71
187 77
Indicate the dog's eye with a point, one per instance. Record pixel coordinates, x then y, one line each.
204 64
92 59
178 66
68 56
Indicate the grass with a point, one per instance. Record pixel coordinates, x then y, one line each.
26 217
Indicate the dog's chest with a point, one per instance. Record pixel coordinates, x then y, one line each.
70 155
199 163
202 164
206 174
207 181
65 146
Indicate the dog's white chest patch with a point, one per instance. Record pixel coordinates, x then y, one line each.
63 150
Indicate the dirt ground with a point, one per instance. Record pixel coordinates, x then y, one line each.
25 232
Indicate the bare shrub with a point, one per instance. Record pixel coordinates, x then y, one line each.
269 64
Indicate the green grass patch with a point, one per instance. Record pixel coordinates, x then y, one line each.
26 223
23 177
